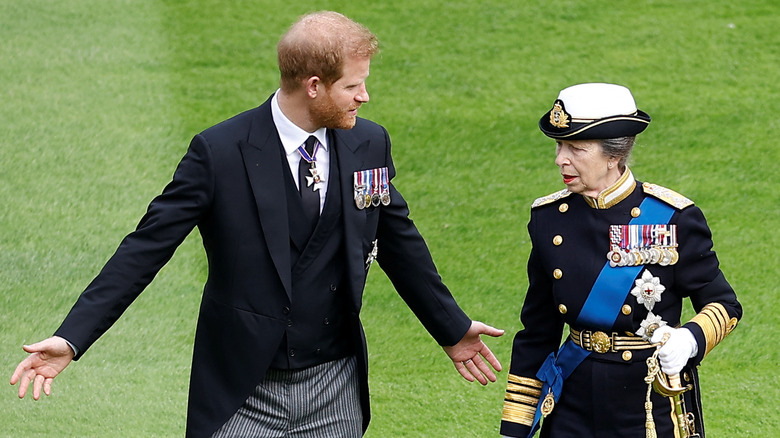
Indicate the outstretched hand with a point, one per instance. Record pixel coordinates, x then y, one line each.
470 353
46 360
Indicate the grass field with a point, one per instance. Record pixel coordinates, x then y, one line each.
98 101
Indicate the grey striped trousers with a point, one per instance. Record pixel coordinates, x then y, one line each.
322 401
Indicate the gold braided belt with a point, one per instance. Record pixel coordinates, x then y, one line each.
601 342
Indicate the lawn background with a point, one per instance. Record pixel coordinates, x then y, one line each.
99 98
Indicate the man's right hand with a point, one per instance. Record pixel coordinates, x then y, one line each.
46 360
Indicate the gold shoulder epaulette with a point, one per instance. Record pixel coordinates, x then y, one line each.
669 196
544 200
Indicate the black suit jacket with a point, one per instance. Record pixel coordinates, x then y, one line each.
230 185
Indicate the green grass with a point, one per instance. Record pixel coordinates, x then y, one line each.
98 101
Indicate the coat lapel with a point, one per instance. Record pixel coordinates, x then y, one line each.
263 162
349 161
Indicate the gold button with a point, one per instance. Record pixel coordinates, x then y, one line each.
563 208
635 212
557 240
626 309
562 308
557 273
627 355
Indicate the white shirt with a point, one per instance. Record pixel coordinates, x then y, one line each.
293 137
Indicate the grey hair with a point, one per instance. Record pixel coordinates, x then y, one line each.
619 148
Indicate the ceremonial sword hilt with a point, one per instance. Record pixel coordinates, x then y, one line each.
671 386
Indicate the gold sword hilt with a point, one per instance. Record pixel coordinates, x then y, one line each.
671 386
666 385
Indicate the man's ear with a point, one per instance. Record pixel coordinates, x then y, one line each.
312 86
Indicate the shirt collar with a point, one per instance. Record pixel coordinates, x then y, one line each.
291 135
612 195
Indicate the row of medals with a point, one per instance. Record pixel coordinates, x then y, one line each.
364 199
660 255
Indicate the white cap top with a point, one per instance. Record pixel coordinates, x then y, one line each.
594 101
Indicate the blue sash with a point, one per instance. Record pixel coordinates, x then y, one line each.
613 284
600 310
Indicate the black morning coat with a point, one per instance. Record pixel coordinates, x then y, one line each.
230 185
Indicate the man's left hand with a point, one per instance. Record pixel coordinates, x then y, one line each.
470 354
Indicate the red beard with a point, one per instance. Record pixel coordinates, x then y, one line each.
325 113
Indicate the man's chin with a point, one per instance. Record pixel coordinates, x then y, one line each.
347 123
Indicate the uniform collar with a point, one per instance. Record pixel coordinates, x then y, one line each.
612 195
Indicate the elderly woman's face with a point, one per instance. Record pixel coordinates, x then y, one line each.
584 168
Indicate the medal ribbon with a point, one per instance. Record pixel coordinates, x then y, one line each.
600 310
384 178
305 155
370 183
614 235
356 180
360 188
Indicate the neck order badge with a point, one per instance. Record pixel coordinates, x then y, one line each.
308 153
307 170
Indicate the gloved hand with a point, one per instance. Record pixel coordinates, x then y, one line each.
680 347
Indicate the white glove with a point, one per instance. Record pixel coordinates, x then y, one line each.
680 347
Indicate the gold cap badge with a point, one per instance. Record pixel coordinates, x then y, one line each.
558 116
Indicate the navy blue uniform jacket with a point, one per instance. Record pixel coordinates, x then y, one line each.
604 396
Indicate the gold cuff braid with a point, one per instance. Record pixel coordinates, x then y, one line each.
522 397
715 324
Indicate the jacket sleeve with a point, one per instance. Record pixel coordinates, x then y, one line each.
170 217
713 298
405 258
540 336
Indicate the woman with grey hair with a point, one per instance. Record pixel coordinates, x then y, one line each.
612 258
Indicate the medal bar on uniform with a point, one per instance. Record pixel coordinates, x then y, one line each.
633 245
371 188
